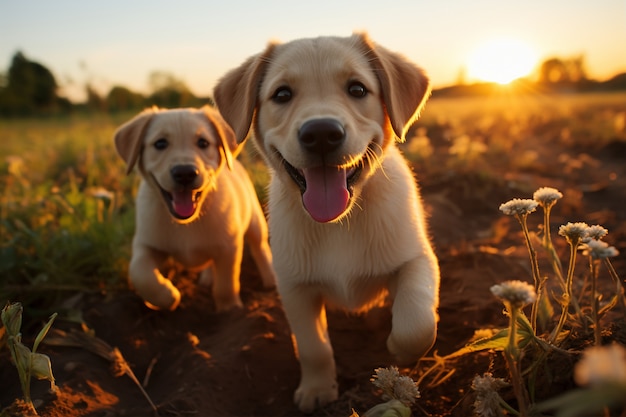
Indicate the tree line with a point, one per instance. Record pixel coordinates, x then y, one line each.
29 89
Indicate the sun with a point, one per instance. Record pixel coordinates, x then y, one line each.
502 61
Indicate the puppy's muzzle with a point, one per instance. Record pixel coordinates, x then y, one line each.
327 185
184 175
321 136
183 200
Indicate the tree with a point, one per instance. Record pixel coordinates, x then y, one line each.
169 92
30 88
557 70
121 99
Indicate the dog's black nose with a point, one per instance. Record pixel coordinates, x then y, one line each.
321 136
184 174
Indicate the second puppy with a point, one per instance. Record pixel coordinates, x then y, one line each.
195 204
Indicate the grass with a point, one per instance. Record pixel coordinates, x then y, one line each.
65 209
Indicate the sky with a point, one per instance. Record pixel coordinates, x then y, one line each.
120 42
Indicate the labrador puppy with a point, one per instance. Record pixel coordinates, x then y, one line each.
195 204
346 220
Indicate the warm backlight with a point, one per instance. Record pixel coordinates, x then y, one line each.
501 61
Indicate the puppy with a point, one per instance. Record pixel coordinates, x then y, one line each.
345 216
195 204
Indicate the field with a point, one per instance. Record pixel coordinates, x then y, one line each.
66 222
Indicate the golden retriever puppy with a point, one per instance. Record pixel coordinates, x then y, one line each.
195 204
345 216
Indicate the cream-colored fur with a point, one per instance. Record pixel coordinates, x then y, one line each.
327 112
195 204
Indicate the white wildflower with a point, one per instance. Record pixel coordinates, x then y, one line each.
547 196
395 386
487 402
518 206
599 249
600 365
384 378
574 232
596 232
518 293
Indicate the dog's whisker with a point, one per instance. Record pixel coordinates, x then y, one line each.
374 159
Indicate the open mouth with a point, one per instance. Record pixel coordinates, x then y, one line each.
183 204
326 190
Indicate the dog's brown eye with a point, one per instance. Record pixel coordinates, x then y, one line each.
161 144
203 143
282 95
356 89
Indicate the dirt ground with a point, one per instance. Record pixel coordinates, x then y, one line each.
196 362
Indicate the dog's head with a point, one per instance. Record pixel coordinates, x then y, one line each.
323 111
179 153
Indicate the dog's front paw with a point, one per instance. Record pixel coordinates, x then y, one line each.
408 350
310 396
165 297
403 356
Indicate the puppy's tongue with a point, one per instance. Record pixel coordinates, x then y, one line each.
183 203
326 195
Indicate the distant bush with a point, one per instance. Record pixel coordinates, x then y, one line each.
30 89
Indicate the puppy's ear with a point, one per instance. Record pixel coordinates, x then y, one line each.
228 146
129 137
405 86
236 94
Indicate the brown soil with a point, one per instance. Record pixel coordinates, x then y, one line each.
196 362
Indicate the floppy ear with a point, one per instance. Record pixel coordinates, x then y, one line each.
228 146
405 86
236 94
129 137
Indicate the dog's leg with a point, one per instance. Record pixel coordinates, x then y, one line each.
157 291
307 318
256 237
415 299
226 281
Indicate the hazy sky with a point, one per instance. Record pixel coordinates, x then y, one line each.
119 42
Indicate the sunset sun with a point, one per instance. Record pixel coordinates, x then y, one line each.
501 61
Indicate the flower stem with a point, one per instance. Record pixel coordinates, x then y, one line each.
567 296
549 246
597 337
512 356
535 269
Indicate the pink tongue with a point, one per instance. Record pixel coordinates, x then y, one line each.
183 203
326 195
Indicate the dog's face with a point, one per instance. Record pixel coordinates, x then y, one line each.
323 111
179 153
322 123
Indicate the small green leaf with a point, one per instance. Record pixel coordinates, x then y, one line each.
43 332
22 358
12 318
41 367
497 341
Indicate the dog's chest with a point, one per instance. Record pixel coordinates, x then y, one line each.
194 244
